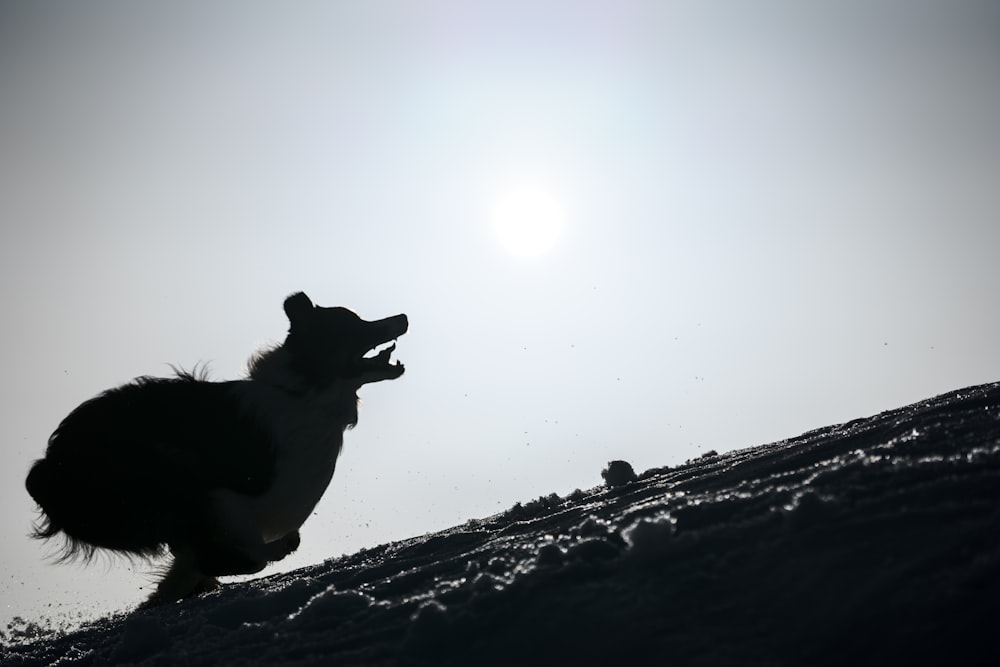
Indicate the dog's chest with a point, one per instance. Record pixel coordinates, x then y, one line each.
308 437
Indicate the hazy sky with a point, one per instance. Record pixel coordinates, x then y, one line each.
776 216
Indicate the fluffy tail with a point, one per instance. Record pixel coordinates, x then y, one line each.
45 483
90 509
42 484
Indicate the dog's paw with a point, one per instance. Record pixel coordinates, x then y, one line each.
289 543
274 551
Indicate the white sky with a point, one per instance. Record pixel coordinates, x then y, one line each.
778 215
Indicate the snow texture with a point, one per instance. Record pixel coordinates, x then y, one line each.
871 542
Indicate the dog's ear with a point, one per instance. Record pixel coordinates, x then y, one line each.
297 307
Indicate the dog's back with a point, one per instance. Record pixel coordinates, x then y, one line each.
121 468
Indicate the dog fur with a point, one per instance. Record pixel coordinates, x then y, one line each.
219 474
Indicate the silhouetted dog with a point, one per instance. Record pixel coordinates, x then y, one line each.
221 474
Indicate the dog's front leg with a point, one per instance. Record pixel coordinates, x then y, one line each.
232 541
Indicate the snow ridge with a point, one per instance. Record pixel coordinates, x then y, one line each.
869 542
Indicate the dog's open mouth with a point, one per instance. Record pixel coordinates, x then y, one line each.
382 356
379 366
376 364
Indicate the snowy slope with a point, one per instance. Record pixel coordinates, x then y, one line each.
872 542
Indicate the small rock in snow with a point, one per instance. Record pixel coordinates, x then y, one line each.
618 473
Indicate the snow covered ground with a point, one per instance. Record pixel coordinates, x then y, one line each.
871 542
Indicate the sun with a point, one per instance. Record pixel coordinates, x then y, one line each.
528 221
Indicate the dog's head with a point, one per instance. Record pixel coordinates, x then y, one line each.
327 345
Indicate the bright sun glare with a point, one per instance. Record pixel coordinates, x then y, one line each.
528 221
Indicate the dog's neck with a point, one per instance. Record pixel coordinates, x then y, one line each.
272 368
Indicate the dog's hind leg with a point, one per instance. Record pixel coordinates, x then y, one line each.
182 579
